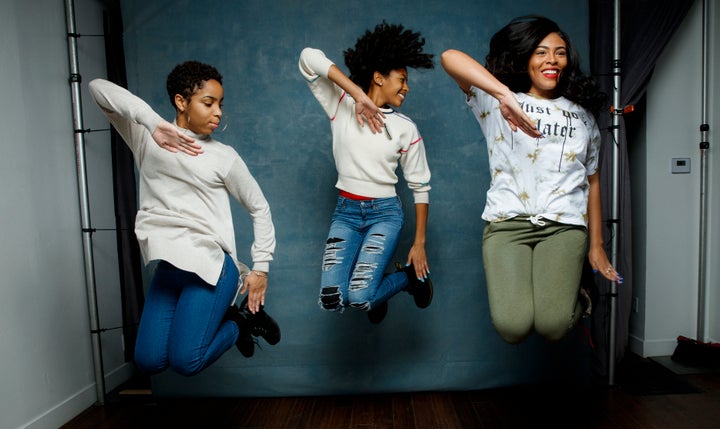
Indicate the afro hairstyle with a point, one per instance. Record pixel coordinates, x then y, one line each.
388 47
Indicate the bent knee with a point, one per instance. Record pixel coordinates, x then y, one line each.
513 330
186 367
331 298
149 365
187 361
554 328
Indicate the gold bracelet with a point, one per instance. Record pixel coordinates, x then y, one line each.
259 273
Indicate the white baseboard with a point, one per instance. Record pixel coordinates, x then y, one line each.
78 402
118 376
635 345
651 348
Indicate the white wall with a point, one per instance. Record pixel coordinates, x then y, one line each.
47 370
667 263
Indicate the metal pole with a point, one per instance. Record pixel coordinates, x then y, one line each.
84 201
614 226
704 147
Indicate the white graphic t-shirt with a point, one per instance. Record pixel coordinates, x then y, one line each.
538 177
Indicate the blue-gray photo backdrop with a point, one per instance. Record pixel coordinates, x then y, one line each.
283 135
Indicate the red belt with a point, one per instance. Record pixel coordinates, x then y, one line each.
350 196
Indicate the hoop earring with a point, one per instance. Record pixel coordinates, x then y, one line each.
223 124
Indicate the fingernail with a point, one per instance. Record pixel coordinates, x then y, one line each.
421 279
595 270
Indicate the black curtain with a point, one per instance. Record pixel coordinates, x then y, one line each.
129 257
646 28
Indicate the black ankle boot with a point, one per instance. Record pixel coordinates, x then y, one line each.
421 291
377 314
261 324
244 342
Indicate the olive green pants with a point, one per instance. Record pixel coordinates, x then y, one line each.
533 277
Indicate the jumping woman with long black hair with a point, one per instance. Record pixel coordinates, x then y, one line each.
544 198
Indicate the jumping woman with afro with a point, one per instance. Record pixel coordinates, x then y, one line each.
370 140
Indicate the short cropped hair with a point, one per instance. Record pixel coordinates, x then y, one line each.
188 77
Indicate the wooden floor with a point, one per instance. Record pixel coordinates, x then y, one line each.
645 395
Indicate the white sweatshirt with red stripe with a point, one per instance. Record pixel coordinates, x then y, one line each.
366 162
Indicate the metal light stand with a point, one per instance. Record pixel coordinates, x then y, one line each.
75 80
614 225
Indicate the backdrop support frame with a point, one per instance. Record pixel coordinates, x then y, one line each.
75 80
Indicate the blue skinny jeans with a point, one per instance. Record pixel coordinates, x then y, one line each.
182 325
362 240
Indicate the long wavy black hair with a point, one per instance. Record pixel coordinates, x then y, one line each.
388 47
513 45
188 77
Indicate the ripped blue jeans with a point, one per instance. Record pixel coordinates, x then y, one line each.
362 240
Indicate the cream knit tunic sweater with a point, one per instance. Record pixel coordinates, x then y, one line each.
184 214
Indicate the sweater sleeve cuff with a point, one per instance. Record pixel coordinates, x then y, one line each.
261 266
421 197
150 120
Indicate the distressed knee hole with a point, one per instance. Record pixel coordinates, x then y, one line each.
331 257
362 306
331 298
362 275
375 245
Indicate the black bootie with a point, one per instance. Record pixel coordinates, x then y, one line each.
421 290
244 342
261 324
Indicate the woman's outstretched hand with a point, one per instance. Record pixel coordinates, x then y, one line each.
514 115
601 264
168 137
366 110
255 285
418 259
